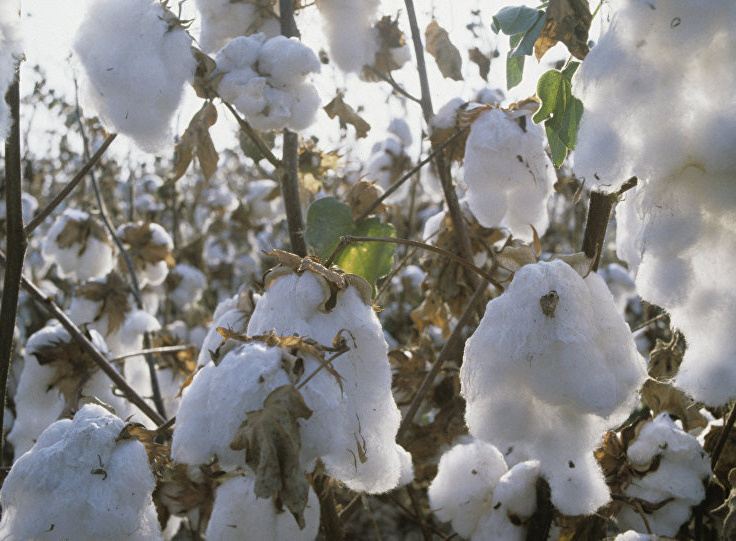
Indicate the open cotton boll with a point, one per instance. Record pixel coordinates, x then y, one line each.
11 48
79 482
297 304
150 247
234 314
238 514
631 535
681 471
188 284
507 172
79 245
462 491
551 366
223 20
287 61
136 62
348 27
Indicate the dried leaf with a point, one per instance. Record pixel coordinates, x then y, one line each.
567 21
183 362
483 62
727 458
661 396
204 84
138 238
337 107
197 140
272 442
536 243
665 359
390 38
582 264
362 195
77 232
72 367
432 311
112 294
178 493
444 52
158 454
512 258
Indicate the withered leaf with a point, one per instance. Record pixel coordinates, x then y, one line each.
567 21
665 359
197 140
536 242
178 493
362 195
338 107
444 52
272 442
483 62
182 362
432 311
204 84
661 396
158 453
72 367
314 166
77 232
390 38
113 296
727 458
138 238
582 264
512 258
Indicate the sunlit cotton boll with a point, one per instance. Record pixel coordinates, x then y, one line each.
136 62
79 482
223 20
551 366
348 27
507 172
10 51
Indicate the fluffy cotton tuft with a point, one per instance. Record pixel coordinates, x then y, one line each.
137 63
507 172
548 387
223 20
10 50
676 230
189 284
348 25
80 483
266 81
679 476
79 246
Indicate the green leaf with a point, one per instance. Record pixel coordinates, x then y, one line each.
526 45
514 20
514 70
556 146
328 219
552 89
570 70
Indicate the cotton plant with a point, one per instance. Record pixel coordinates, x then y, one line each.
266 80
223 20
79 481
676 229
550 367
79 245
137 59
508 175
11 48
476 491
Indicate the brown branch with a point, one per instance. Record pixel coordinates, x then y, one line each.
723 438
253 136
56 201
390 80
148 351
16 243
329 519
99 359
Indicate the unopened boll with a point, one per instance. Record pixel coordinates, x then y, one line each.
551 366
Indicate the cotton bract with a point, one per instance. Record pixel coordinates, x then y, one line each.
507 172
137 62
78 482
550 367
677 228
266 81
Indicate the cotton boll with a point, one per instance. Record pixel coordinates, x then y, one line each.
287 61
631 535
508 174
190 284
150 246
223 20
81 483
238 514
400 129
446 117
682 469
136 67
10 51
348 27
516 490
305 106
234 314
548 387
462 492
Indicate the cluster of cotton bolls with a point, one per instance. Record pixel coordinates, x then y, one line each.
352 35
137 59
481 496
678 477
676 230
79 482
550 368
389 159
354 418
223 20
10 51
265 79
508 174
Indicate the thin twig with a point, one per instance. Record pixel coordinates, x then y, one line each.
162 349
723 438
16 243
390 80
416 504
396 185
253 136
54 311
39 218
346 240
449 346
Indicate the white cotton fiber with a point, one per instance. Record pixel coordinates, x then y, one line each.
190 284
680 473
10 51
507 172
86 253
548 387
238 514
362 414
78 482
266 81
223 20
136 66
348 27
